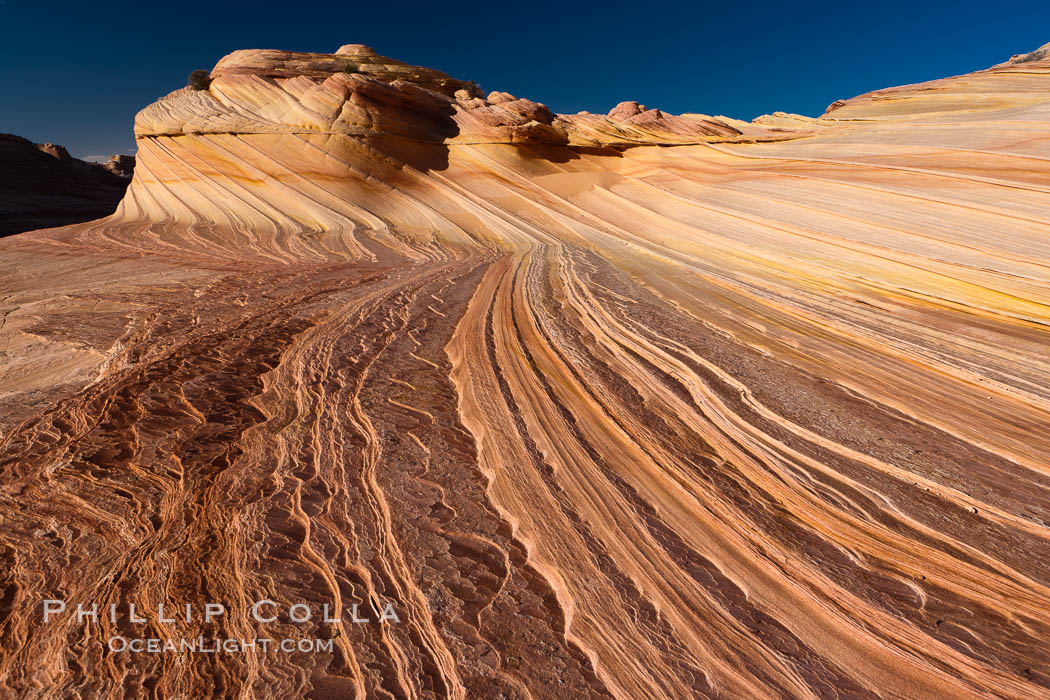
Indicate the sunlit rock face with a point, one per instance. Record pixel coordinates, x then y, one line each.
631 405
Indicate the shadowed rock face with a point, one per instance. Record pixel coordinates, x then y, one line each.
605 406
41 186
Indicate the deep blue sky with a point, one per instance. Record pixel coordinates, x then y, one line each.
75 73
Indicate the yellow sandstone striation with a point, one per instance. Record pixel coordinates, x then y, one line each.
632 405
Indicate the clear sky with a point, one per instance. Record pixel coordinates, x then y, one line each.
75 73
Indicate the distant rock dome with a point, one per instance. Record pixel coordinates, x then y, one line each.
355 50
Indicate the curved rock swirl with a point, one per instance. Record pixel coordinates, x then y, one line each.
630 406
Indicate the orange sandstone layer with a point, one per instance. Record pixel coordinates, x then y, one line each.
637 405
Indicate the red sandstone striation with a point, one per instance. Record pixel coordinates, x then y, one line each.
631 405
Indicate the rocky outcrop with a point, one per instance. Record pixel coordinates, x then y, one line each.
1015 84
358 93
41 186
635 405
121 164
625 110
360 111
834 105
1040 54
55 151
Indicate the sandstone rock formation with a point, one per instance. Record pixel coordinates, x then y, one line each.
121 164
606 406
41 185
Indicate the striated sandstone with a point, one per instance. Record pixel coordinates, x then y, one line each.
625 110
255 92
1019 84
637 407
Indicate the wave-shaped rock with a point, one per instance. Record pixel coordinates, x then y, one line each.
630 405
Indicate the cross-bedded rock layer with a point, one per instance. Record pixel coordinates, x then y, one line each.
632 405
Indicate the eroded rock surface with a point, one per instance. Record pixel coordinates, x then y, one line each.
606 406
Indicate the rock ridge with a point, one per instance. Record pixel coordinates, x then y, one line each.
357 92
